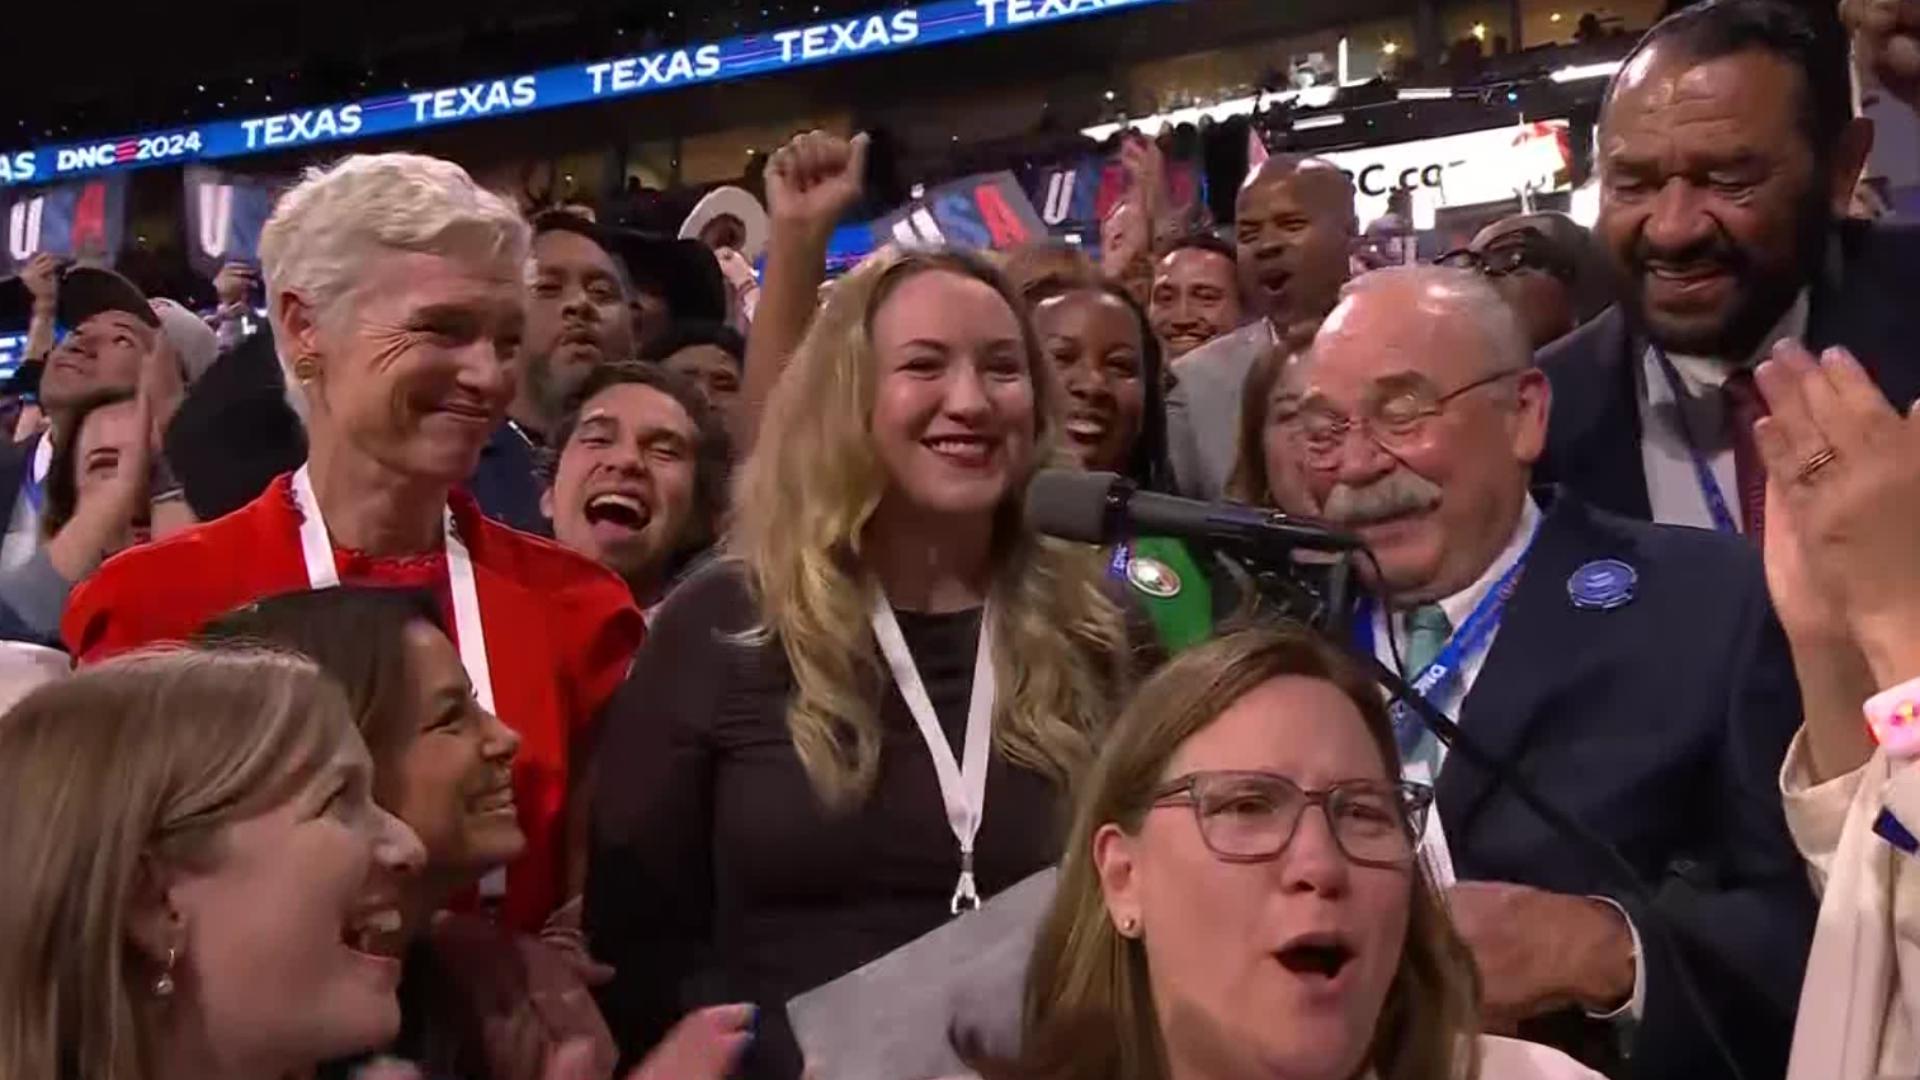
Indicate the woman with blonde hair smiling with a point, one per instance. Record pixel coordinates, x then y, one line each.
863 722
1207 927
200 886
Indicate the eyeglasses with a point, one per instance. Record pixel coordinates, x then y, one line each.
1395 423
1525 250
1252 816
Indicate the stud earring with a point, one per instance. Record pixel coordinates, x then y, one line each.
1129 926
163 986
306 368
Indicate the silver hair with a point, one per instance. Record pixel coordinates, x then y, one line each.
325 228
1451 292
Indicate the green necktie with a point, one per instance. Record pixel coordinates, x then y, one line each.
1427 631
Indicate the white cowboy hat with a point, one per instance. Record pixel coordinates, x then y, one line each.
739 203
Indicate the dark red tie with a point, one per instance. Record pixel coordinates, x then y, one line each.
1744 406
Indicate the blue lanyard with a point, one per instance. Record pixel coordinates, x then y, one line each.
1443 673
1117 562
1723 519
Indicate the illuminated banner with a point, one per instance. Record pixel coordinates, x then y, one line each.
984 211
1459 170
224 216
827 41
82 220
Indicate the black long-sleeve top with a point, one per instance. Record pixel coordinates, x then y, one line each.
715 873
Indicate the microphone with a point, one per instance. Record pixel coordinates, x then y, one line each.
1102 507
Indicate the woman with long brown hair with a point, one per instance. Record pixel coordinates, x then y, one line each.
1206 926
864 721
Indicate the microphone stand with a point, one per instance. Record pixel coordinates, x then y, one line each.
1280 582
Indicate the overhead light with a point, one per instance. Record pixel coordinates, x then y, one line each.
1192 115
1578 72
1325 120
1390 48
1555 17
1480 31
1425 93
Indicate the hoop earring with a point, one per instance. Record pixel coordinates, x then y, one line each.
163 986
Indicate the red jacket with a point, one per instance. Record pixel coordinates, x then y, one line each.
561 633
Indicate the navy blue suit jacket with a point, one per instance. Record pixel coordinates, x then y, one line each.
1661 726
507 484
1863 298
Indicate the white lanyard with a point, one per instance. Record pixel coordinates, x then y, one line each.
963 787
317 547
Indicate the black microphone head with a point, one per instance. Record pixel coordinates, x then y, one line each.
1070 504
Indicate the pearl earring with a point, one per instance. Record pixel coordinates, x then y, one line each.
1129 926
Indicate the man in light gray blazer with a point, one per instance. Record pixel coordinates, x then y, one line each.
1294 227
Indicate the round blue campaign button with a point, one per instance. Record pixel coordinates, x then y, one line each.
1602 585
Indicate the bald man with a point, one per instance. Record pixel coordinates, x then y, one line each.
1294 230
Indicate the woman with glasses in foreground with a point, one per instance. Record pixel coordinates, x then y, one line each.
1207 926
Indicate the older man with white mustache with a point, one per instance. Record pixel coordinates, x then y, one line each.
1633 672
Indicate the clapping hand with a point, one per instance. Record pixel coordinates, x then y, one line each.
816 178
1844 483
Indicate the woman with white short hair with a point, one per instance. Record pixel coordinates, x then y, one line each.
396 290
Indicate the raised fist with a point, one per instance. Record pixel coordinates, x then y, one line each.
816 178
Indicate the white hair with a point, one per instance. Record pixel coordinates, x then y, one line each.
325 228
1451 292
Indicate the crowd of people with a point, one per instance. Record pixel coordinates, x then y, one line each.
547 651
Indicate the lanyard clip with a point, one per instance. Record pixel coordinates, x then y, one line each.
966 897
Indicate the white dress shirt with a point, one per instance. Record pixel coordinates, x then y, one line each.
1673 489
23 530
1459 607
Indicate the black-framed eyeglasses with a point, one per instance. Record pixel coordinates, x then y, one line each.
1396 422
1252 816
1524 250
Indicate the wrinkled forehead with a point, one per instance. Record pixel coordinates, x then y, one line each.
1749 95
1374 341
476 281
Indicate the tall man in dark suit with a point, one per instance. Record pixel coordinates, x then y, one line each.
1633 673
1728 152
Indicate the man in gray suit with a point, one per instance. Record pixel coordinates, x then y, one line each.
1295 226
